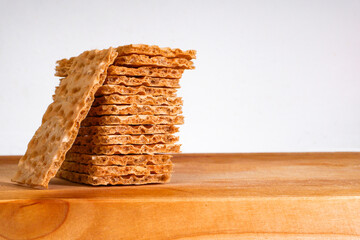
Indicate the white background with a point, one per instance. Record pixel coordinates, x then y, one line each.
271 75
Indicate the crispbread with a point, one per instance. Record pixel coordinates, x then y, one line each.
126 139
128 129
132 120
135 60
99 171
136 99
142 90
120 160
155 51
142 81
128 71
114 180
134 110
126 149
61 121
146 71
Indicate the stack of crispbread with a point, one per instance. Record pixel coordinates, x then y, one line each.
127 135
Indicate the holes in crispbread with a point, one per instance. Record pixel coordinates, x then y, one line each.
75 90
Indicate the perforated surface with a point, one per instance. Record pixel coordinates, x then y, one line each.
156 51
142 90
134 110
142 81
136 99
61 121
146 71
136 60
126 149
114 180
128 129
126 139
132 120
121 160
99 171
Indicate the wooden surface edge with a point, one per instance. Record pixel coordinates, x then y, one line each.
246 218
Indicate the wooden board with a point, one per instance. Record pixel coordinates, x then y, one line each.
211 196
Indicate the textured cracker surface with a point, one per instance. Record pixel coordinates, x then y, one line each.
126 149
139 100
142 81
156 51
134 110
120 160
146 71
135 60
126 139
127 129
114 180
61 121
132 120
142 90
99 171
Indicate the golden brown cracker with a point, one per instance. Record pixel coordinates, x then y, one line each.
103 110
61 121
142 90
135 60
132 120
121 160
139 100
114 180
128 129
99 171
156 51
142 81
126 139
126 149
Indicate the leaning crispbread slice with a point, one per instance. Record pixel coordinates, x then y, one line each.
139 100
114 180
61 121
120 160
126 139
127 129
99 171
134 110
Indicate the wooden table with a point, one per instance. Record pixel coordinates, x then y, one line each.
211 196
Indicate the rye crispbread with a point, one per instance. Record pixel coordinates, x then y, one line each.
142 90
132 120
126 149
128 129
128 71
142 81
120 160
61 121
63 65
126 139
139 100
146 71
120 110
135 60
155 51
114 180
98 171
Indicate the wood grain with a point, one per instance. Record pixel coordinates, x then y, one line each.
211 196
